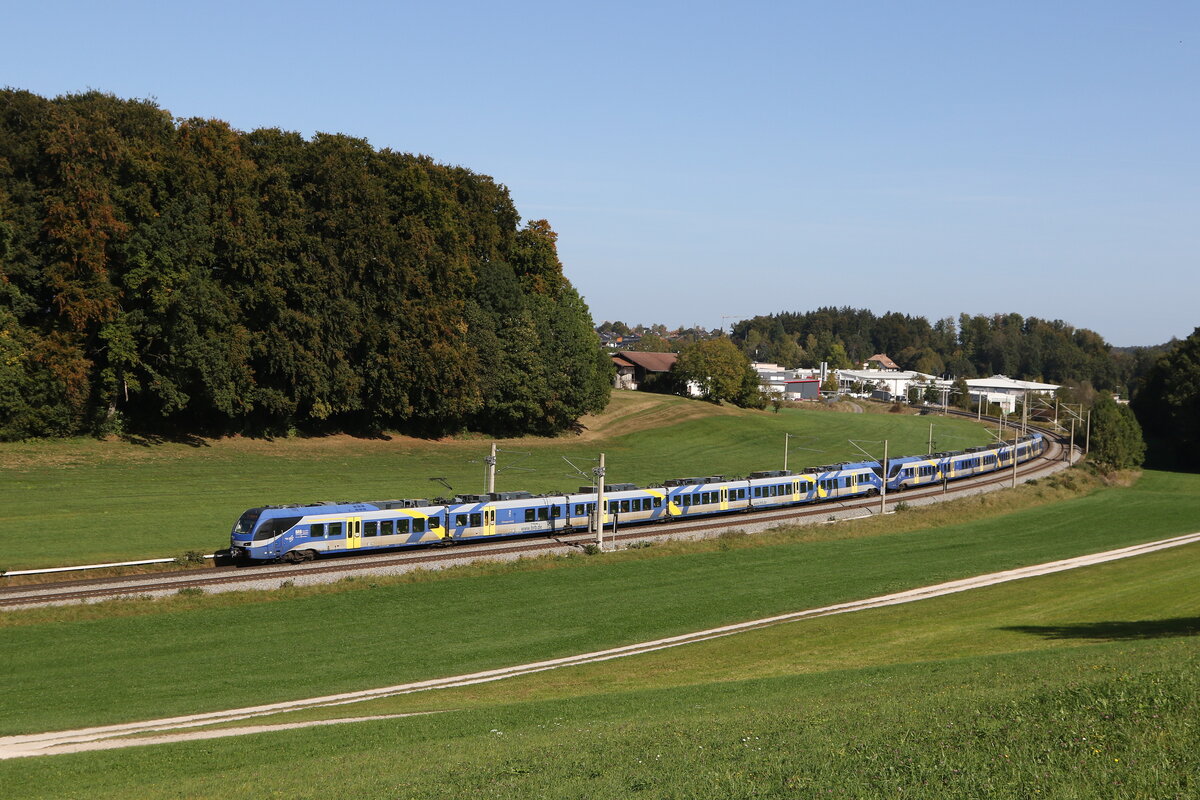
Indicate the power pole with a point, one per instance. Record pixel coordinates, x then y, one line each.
930 452
600 503
490 470
1071 452
883 488
1016 440
1087 439
786 436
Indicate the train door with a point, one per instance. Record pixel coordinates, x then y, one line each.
724 498
674 506
489 521
353 533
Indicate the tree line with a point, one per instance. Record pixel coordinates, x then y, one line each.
181 276
1026 348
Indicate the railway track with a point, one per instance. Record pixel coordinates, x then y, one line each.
328 569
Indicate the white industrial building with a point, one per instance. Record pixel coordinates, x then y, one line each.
790 384
1006 391
885 384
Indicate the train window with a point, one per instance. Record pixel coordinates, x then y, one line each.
579 509
555 511
543 513
687 500
460 520
317 531
624 506
758 491
419 525
247 521
370 528
529 515
402 526
658 502
476 520
385 528
335 529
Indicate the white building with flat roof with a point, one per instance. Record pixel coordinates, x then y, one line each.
1005 391
896 383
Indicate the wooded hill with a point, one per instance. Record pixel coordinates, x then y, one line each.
166 275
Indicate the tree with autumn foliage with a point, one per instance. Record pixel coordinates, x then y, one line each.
180 276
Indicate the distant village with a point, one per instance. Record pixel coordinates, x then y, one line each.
878 378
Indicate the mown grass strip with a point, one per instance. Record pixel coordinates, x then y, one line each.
1080 684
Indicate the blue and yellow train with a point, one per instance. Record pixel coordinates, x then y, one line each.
298 533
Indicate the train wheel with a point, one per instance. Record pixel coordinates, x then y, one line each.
310 555
293 557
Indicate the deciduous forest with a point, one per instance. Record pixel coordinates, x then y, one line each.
180 276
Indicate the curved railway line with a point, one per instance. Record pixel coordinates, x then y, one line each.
329 569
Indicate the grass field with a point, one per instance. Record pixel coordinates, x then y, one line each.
1079 685
85 501
93 671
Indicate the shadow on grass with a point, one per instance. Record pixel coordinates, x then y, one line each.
153 439
1115 631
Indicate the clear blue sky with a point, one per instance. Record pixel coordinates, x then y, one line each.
705 159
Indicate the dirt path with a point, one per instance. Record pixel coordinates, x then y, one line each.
176 729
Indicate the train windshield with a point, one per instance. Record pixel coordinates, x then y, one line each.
246 522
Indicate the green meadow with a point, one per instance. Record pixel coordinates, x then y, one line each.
1080 685
988 693
86 501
